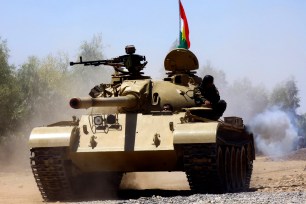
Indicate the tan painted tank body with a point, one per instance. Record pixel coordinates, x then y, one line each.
142 124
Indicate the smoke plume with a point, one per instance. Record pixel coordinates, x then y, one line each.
275 134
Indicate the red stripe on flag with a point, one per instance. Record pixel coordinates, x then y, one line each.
186 28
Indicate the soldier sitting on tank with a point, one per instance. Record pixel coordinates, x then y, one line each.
133 62
211 97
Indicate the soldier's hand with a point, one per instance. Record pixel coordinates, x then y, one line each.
207 103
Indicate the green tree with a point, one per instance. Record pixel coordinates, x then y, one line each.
32 89
301 124
92 50
9 93
47 85
43 98
54 71
83 78
285 96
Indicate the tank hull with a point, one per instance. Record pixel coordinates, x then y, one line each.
137 142
216 156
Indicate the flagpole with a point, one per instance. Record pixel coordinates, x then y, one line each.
179 40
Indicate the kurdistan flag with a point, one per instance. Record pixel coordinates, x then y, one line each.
184 30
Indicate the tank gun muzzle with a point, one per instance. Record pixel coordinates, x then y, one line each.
128 101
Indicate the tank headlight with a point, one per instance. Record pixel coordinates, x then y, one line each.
111 119
98 120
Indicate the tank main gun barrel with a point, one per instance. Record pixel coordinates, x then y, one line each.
128 101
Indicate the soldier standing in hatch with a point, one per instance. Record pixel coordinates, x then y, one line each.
131 60
211 96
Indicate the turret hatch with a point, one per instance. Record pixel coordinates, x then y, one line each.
181 59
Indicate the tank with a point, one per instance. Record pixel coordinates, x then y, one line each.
137 124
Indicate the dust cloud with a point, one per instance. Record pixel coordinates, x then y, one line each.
275 134
14 154
14 146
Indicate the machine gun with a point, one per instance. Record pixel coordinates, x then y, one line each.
111 62
133 63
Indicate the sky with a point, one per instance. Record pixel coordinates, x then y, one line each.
262 40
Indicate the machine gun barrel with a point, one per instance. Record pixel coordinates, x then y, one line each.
128 101
112 62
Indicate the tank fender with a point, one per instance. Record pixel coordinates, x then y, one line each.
191 133
53 136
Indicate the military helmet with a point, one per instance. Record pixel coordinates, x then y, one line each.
130 49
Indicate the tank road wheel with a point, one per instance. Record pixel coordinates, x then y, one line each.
202 164
238 169
227 169
224 169
243 168
249 165
221 169
233 169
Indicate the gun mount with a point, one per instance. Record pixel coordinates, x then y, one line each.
127 66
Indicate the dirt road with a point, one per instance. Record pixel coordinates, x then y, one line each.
270 175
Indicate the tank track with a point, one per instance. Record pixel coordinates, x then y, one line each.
205 175
53 175
50 172
248 174
200 165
